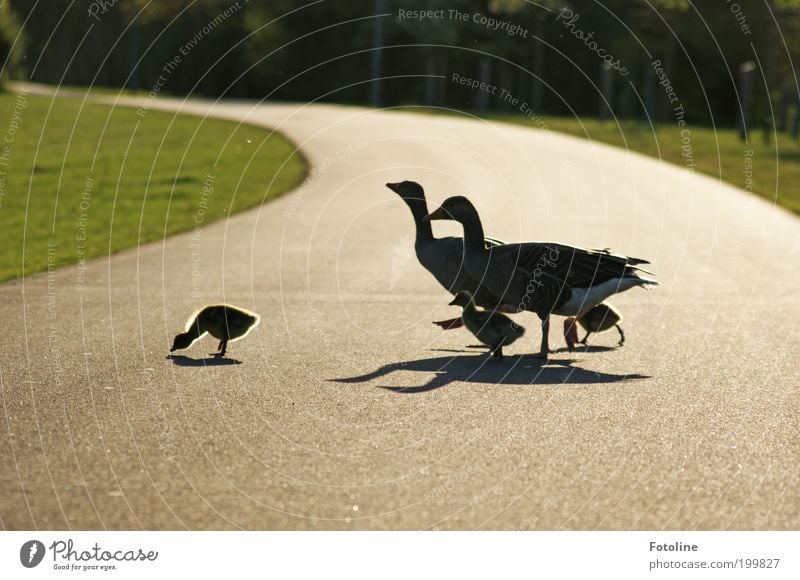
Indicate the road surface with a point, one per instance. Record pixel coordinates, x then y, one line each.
350 410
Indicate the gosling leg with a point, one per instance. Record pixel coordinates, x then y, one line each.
621 335
223 346
497 352
585 337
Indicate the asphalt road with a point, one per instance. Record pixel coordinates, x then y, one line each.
350 410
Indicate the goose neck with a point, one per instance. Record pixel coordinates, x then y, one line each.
419 209
469 309
473 233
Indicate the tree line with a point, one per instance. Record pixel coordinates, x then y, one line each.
616 57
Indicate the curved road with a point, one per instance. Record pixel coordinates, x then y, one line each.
351 410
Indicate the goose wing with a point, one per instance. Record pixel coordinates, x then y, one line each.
492 242
577 267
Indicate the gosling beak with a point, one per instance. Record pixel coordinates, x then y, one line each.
395 187
438 214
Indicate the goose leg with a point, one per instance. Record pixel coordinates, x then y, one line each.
585 337
570 333
449 324
621 335
545 348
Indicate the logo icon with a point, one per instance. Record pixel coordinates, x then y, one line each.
31 553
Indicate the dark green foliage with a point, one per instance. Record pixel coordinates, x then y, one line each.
286 49
11 43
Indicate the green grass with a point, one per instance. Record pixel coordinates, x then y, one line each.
144 176
718 153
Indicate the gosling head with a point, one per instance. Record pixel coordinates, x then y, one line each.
571 332
462 299
457 208
183 340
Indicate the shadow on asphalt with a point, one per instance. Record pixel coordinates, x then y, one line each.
579 348
514 370
593 348
185 361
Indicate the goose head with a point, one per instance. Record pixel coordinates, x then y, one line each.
462 299
456 208
410 191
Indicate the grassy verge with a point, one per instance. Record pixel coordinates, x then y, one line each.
95 179
774 168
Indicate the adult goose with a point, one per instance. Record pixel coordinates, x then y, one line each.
542 277
443 257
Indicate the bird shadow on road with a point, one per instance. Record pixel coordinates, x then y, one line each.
514 370
185 361
580 348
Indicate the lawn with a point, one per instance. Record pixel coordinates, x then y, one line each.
767 169
92 180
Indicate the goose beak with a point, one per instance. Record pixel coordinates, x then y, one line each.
439 214
395 187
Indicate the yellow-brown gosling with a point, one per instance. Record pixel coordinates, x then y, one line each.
222 321
600 318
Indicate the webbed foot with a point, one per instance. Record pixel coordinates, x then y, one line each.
449 324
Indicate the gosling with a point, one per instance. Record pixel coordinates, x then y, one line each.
222 321
493 329
600 318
